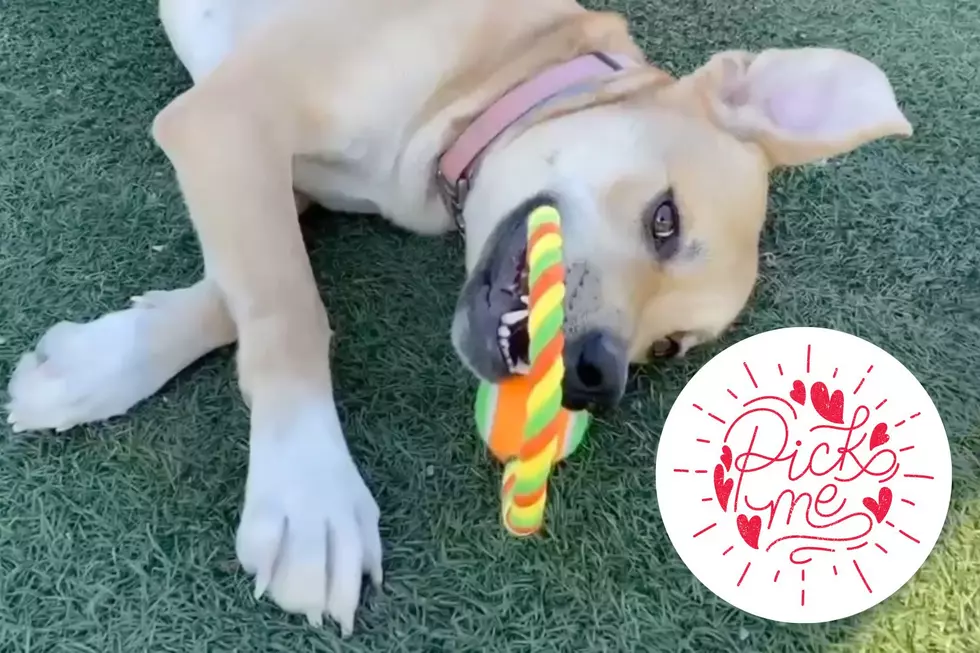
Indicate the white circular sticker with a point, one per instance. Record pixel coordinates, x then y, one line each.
803 475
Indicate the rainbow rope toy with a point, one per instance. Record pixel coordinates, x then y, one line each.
521 419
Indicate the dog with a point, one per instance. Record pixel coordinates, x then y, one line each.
440 115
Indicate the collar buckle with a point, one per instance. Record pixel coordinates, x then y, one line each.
454 195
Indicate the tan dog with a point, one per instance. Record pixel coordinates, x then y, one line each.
662 183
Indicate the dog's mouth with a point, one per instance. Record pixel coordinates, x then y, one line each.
490 331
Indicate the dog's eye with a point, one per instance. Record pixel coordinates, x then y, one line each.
664 348
664 222
663 225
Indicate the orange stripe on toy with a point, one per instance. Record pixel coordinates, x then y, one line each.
547 278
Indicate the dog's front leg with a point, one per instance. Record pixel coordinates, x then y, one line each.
309 526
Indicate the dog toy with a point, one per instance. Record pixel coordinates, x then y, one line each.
521 419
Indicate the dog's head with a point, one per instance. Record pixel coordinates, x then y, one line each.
662 187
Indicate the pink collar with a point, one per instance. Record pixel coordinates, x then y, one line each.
457 163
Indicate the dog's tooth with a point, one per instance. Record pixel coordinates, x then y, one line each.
508 360
514 316
524 299
520 367
503 331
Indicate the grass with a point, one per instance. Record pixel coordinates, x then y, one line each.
119 537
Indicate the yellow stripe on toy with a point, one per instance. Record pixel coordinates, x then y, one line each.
522 419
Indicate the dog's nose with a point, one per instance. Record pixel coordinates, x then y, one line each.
595 371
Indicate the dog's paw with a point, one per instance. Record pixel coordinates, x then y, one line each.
83 372
309 527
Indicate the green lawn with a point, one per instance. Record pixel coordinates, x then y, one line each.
119 537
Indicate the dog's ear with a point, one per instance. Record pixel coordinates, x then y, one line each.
800 105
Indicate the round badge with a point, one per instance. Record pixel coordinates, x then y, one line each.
803 475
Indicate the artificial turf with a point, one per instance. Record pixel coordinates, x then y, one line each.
119 536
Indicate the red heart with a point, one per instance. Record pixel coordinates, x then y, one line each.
798 394
831 408
749 529
880 507
879 436
723 488
726 457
